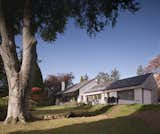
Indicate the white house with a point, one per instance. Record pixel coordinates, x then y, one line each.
139 89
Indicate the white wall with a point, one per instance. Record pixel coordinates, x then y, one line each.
92 93
87 87
126 101
150 84
114 94
103 98
84 89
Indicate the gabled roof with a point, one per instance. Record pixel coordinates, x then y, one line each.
77 86
129 82
99 87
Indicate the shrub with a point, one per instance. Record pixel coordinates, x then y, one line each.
3 107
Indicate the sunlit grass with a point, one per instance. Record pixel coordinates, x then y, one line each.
55 107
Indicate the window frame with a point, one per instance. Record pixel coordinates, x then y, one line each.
126 94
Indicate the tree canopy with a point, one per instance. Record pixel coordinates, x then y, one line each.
37 77
140 70
54 82
49 17
115 75
84 78
154 65
103 77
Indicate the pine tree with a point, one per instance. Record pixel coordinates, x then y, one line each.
140 70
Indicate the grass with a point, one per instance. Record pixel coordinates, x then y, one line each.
3 101
119 119
56 107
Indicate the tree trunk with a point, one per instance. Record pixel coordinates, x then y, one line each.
19 78
19 81
15 103
19 86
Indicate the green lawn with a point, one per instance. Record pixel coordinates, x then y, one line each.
101 119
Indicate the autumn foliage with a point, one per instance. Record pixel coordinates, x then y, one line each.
38 94
154 65
53 82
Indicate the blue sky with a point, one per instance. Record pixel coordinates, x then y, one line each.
133 41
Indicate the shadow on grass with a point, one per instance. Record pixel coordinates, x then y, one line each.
154 107
80 111
102 110
121 125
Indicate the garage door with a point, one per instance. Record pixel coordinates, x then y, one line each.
147 97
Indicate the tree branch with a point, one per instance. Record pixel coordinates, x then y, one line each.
8 47
29 42
3 29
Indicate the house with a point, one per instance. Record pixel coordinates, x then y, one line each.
139 89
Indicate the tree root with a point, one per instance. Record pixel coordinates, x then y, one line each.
14 120
22 119
8 120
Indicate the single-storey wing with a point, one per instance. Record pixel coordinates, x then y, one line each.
139 89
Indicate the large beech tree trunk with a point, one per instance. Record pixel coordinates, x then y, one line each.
19 77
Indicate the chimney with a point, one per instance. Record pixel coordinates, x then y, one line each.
62 86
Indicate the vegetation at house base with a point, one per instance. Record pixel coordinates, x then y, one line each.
45 19
3 107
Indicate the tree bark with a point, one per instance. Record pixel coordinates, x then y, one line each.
29 54
19 78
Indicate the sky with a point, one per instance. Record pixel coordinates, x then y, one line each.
134 41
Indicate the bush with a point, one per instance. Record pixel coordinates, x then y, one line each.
3 107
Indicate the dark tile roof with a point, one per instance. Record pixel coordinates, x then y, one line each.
129 82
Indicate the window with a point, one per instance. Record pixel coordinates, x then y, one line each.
126 95
94 97
98 96
81 98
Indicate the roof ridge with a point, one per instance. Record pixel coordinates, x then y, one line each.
134 76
